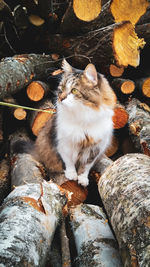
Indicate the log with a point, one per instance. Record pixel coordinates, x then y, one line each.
36 90
65 251
113 147
143 31
116 71
128 10
94 240
4 178
1 125
37 119
86 10
31 227
36 20
78 16
18 112
120 117
82 21
38 204
106 40
124 86
139 125
18 71
143 86
146 17
125 186
99 167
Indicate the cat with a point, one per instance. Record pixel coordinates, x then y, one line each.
81 130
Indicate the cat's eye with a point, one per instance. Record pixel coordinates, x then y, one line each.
74 91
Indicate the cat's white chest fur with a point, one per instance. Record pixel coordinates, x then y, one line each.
75 121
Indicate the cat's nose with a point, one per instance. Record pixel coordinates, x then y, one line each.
62 96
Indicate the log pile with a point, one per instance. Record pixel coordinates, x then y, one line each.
62 231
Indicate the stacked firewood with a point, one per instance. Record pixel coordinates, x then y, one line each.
115 36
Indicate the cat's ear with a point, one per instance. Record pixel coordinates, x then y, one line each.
91 74
66 66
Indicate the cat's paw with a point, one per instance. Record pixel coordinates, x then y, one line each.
83 180
71 175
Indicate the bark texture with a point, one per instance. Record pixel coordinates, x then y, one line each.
95 243
18 71
28 219
124 188
139 125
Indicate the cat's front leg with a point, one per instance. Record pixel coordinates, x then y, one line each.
70 173
69 158
85 166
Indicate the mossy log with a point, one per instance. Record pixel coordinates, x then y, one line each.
101 47
18 71
94 240
139 125
124 189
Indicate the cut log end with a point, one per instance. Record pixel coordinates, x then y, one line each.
116 71
20 114
128 10
79 193
40 120
126 45
146 87
35 91
36 20
128 87
87 10
120 117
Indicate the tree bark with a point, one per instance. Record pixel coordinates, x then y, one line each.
31 227
139 125
125 186
4 178
18 71
38 209
95 243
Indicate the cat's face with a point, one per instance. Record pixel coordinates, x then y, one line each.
85 87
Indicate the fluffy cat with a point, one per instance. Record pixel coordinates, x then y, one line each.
82 127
